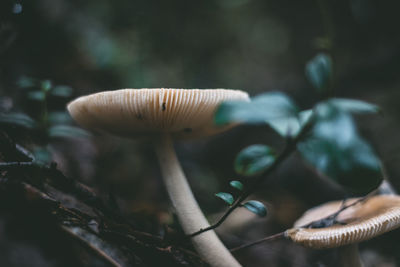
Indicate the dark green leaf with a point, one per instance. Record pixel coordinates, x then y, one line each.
46 85
336 150
26 82
254 160
37 95
67 131
263 108
17 119
59 118
228 198
236 184
319 71
256 207
62 91
291 125
41 156
353 105
305 116
288 126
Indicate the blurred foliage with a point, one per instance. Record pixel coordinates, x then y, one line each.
45 125
319 71
254 160
334 147
263 108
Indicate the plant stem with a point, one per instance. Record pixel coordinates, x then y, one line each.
327 22
331 217
9 165
290 147
268 238
348 256
188 211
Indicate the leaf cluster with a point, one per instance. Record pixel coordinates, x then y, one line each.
43 117
332 145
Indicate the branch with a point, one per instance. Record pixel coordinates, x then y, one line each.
268 238
332 217
290 147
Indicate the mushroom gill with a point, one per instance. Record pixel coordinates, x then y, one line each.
365 220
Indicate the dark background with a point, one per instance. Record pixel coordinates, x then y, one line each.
256 46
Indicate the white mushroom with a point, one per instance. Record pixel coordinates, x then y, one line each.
164 114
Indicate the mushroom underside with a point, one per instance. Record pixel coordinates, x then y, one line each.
361 222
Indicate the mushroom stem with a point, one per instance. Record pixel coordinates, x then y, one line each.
188 211
348 256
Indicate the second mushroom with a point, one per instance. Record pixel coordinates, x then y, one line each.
364 220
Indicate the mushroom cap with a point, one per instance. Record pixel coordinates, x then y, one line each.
184 113
363 221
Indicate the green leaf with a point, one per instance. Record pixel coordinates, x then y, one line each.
41 156
17 119
305 116
319 71
46 85
228 198
26 82
62 91
256 207
353 105
67 131
37 95
335 149
236 184
254 160
59 117
290 126
261 109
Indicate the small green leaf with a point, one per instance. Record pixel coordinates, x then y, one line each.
305 116
261 109
67 131
353 105
236 184
319 71
228 198
46 85
256 207
59 117
26 82
290 126
62 91
17 119
41 156
37 95
254 160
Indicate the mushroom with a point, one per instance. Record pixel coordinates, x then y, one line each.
365 220
163 114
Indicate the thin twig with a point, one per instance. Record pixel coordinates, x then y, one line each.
5 165
332 216
290 147
268 238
